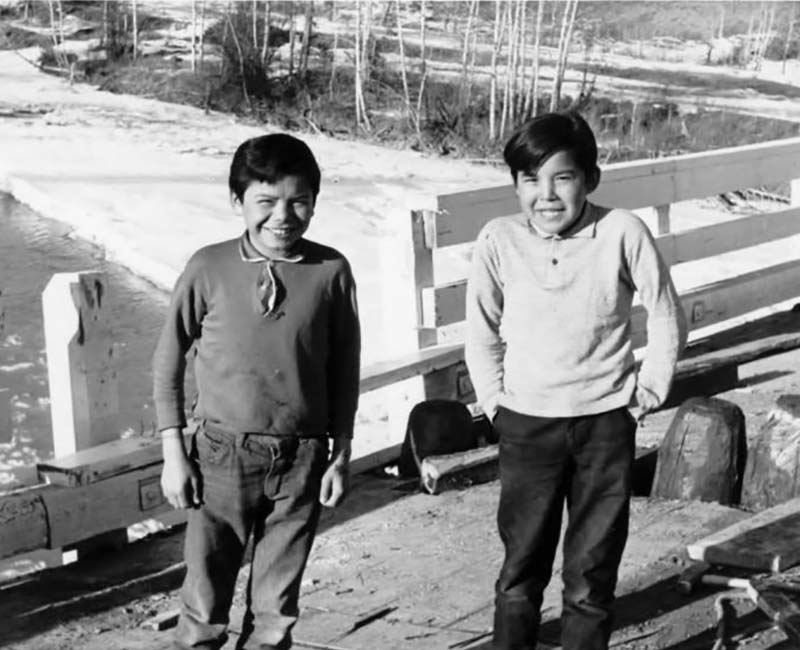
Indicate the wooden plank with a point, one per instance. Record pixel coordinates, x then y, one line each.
75 514
637 184
767 541
708 241
705 305
436 468
23 521
422 271
390 371
738 354
104 461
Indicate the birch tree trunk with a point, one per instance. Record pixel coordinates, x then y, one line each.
423 67
465 57
305 52
522 92
240 54
135 30
563 51
292 35
202 44
335 22
532 107
194 36
265 41
507 85
493 79
362 119
403 72
255 24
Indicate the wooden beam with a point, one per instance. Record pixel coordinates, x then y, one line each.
705 305
23 521
84 398
75 514
436 468
767 541
636 184
708 241
413 364
103 461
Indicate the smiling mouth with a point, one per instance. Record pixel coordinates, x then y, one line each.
280 232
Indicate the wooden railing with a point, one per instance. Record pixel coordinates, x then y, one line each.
94 486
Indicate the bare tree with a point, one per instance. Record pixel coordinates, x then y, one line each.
493 80
304 53
463 93
335 22
570 11
193 38
507 85
240 55
403 72
292 37
135 29
254 6
423 67
202 44
265 42
532 102
362 119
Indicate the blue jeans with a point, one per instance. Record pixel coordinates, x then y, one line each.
585 461
267 486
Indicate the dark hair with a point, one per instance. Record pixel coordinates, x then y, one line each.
269 158
539 138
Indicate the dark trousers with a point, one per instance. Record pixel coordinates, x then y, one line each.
267 486
585 461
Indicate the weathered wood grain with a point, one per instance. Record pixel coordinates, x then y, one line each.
767 541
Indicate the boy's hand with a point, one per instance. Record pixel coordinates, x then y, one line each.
646 402
180 480
336 480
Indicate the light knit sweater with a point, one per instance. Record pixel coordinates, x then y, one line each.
548 317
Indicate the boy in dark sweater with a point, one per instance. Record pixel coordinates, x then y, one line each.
273 323
548 347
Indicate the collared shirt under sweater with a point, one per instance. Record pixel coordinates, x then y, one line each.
548 317
293 371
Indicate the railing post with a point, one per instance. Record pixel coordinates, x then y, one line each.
84 396
794 192
84 399
662 214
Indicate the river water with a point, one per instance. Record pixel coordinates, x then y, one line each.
32 249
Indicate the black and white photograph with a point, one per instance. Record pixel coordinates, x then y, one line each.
400 324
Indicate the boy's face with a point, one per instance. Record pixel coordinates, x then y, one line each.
552 197
276 214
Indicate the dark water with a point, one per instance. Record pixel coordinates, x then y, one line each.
32 249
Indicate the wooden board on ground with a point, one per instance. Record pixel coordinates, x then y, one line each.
767 541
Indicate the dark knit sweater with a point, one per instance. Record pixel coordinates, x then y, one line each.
292 372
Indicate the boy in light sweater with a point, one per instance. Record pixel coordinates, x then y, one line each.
272 321
549 353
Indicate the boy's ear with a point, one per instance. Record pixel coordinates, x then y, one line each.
593 180
236 204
